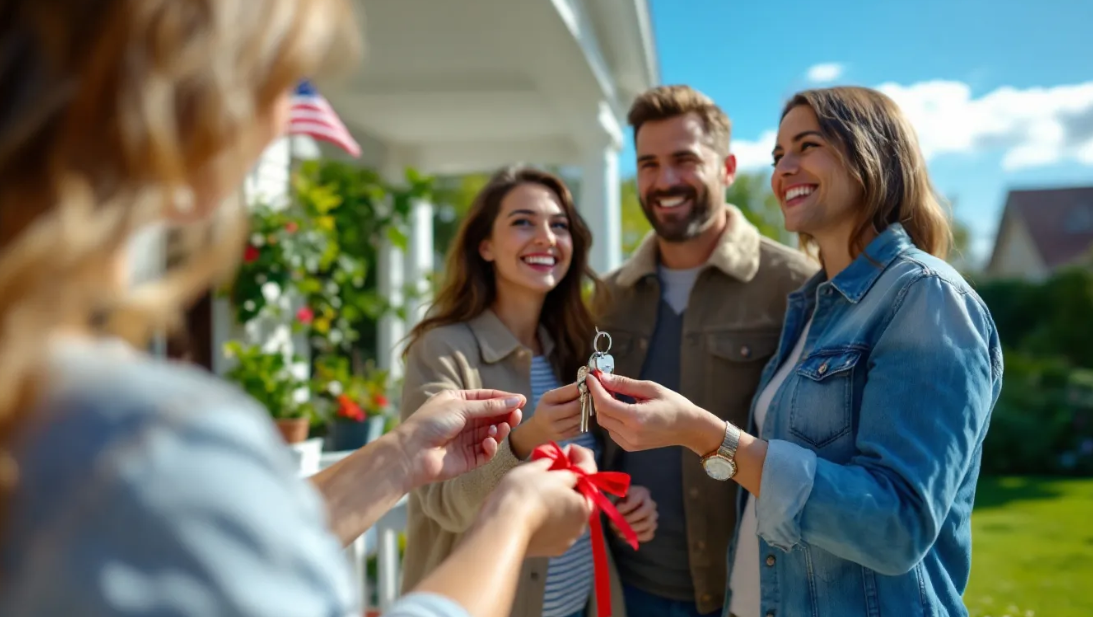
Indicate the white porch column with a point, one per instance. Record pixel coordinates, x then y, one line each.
599 194
419 261
392 281
391 327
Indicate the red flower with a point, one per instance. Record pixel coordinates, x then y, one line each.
251 254
381 400
291 227
349 409
305 315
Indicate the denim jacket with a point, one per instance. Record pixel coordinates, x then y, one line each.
875 440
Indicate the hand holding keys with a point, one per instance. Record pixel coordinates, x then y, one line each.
601 361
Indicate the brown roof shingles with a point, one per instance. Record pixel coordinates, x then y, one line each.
1060 221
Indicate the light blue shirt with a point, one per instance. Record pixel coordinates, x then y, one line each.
156 490
875 440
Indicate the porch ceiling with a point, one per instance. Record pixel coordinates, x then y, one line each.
455 85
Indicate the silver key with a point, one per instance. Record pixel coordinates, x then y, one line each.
599 361
586 401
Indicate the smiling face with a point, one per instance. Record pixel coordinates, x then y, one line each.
681 176
819 197
529 245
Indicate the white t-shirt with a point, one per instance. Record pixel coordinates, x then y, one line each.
744 580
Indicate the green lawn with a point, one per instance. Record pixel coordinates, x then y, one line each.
1032 548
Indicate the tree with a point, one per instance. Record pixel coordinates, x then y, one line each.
634 225
752 194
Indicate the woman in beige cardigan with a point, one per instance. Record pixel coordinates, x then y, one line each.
511 316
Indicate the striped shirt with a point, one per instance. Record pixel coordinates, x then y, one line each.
569 576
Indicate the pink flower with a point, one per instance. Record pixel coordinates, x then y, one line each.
305 315
291 227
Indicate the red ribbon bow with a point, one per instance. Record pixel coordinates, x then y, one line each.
593 486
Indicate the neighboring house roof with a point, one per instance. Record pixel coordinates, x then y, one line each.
1059 221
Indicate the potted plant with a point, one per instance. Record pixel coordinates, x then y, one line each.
357 405
278 382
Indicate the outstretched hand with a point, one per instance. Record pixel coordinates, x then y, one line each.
658 417
456 431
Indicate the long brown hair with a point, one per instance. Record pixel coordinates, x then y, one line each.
470 286
116 113
879 147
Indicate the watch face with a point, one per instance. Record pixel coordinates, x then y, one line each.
719 468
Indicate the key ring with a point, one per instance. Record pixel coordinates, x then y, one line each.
596 341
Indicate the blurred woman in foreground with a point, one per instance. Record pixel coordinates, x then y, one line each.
130 486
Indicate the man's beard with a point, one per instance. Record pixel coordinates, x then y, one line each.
679 229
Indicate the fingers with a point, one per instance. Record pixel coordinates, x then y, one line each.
612 423
568 478
564 394
606 404
569 426
489 448
582 457
569 409
628 504
501 432
492 407
641 390
643 529
483 394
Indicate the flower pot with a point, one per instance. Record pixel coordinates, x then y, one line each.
350 435
293 430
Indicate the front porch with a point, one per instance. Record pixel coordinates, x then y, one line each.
453 88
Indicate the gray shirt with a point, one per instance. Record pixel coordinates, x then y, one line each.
662 565
156 490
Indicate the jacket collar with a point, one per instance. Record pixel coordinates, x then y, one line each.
858 278
737 252
496 342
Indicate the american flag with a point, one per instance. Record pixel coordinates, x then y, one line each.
312 115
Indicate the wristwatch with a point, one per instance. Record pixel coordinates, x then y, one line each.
721 463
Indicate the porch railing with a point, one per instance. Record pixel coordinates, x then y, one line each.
381 541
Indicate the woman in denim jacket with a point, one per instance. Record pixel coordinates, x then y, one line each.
863 449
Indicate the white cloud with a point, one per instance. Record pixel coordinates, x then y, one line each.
1033 127
751 155
823 73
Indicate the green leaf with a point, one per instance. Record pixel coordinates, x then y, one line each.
398 238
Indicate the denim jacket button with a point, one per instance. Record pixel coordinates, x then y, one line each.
770 560
823 368
745 351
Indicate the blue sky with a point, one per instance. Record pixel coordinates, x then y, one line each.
1001 92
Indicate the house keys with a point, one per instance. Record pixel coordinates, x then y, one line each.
599 361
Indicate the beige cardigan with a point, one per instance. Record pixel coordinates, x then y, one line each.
481 353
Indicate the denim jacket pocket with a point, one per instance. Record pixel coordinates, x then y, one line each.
821 408
731 369
743 346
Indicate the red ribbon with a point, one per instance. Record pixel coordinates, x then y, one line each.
593 486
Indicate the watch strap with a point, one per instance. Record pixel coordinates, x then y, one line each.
730 442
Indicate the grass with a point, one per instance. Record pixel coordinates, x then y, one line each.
1032 548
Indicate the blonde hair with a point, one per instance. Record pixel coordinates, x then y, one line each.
879 147
113 112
